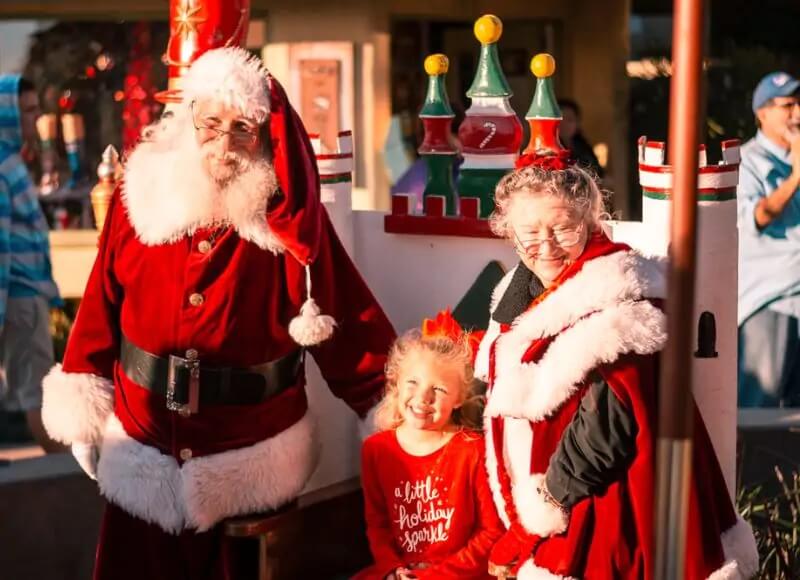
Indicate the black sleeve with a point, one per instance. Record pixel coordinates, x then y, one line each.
595 448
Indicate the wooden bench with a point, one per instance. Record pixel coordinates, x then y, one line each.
320 535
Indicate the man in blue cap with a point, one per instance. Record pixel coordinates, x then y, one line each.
769 248
27 289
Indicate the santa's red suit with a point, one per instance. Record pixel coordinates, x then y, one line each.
171 280
570 425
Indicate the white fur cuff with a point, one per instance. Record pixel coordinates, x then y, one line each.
741 553
205 490
537 515
530 571
75 406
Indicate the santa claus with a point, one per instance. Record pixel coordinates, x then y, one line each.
184 369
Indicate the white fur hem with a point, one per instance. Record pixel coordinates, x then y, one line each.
205 490
538 516
75 406
738 545
530 571
741 553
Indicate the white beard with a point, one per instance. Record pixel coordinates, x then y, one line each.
168 193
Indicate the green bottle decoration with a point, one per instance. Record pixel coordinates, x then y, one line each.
437 148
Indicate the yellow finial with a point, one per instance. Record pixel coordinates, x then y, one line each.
488 29
543 65
436 64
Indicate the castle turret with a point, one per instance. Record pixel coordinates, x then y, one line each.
715 338
543 116
437 148
491 133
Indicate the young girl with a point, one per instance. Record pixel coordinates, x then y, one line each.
428 505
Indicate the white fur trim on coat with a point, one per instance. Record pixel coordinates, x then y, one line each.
741 553
493 331
530 571
537 515
75 406
230 75
598 315
140 479
601 283
205 490
536 390
491 471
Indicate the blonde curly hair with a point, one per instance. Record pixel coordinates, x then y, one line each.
448 351
575 185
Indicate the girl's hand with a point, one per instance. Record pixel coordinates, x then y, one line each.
404 574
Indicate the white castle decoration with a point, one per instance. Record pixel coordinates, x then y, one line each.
715 334
417 264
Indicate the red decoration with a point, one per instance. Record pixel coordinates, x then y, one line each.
445 326
66 102
490 134
547 161
138 110
544 136
195 27
437 136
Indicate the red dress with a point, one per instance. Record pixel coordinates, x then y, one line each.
435 509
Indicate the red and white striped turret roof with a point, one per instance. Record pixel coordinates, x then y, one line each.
335 169
714 182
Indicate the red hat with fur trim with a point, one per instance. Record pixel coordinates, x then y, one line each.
294 216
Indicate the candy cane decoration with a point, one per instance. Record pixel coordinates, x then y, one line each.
492 131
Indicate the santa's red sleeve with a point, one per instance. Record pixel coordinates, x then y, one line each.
78 395
352 360
473 559
376 512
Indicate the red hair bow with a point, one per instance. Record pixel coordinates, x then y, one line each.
445 326
550 161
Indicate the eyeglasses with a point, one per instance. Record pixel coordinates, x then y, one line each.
563 238
242 132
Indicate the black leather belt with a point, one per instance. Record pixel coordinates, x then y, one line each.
186 385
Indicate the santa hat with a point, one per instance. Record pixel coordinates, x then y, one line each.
294 216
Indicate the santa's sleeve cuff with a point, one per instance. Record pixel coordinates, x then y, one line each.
538 513
75 406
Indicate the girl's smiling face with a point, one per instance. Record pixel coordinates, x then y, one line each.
428 390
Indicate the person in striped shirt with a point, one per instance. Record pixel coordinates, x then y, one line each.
27 289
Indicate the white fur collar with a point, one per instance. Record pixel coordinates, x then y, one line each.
493 331
605 316
168 197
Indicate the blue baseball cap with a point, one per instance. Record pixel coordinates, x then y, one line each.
777 84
